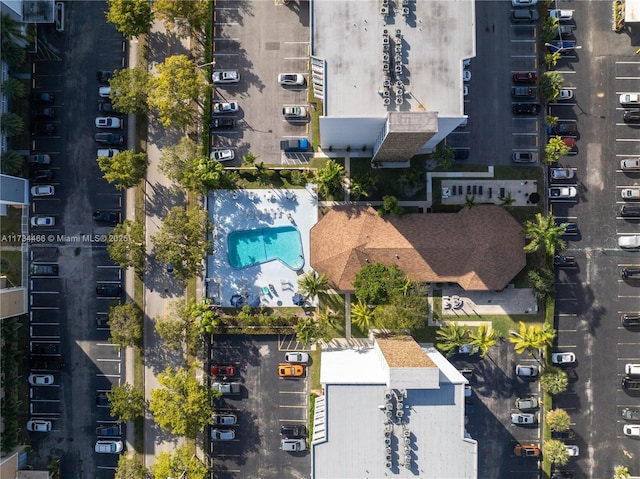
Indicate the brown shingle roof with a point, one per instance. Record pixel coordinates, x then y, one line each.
480 248
404 352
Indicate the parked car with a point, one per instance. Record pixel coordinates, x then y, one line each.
565 94
222 155
630 99
113 430
569 228
293 112
290 370
226 107
630 319
43 113
564 30
106 107
630 164
527 371
37 221
466 75
630 273
523 3
563 358
39 159
526 450
45 349
102 400
293 445
226 419
222 123
561 15
108 152
102 321
293 431
526 108
109 138
524 92
38 425
630 193
103 76
227 389
631 430
108 217
631 116
104 91
561 173
563 192
572 449
632 370
630 211
225 76
45 97
564 127
629 241
525 77
109 290
222 371
564 47
567 435
109 447
41 379
44 128
37 175
564 261
43 190
528 15
524 157
44 269
523 418
630 383
108 122
290 79
630 414
570 141
223 434
296 357
527 403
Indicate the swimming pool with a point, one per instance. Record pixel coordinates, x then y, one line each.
250 247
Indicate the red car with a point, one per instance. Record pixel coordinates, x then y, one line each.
525 77
224 371
569 141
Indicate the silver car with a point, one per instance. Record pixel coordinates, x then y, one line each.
523 418
226 76
296 357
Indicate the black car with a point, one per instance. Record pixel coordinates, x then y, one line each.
561 475
109 217
630 211
45 348
569 228
222 123
564 261
103 76
562 128
108 431
293 430
43 113
109 290
44 269
630 319
102 321
523 157
526 108
630 383
45 97
460 154
520 92
567 435
109 138
102 400
44 128
630 273
631 116
105 106
42 175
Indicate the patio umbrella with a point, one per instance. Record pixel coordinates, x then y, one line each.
297 299
253 301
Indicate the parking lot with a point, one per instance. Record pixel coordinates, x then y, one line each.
266 402
245 41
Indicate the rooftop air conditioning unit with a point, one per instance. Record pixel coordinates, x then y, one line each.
384 10
406 433
387 441
405 11
399 413
388 464
387 101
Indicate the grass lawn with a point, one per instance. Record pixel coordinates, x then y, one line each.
388 180
11 266
315 367
11 225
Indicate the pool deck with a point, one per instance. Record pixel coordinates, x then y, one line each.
254 209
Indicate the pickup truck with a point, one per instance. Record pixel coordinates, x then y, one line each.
227 389
301 144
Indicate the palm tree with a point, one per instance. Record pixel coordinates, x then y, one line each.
451 337
327 317
551 120
262 174
250 158
550 84
470 201
551 59
483 338
11 162
507 200
362 315
527 339
12 124
13 89
545 235
330 179
542 281
313 284
11 32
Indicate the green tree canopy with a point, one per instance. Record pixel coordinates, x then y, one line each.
182 463
176 160
205 174
312 284
125 169
390 206
545 236
130 90
377 283
194 11
409 308
550 84
13 89
362 315
531 337
125 322
555 452
126 402
131 17
176 84
558 420
11 162
182 405
130 467
308 329
482 339
126 245
542 281
450 337
554 380
330 179
183 240
11 124
554 149
621 472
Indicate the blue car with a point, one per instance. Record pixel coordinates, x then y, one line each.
564 47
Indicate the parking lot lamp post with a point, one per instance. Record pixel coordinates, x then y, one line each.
205 64
562 49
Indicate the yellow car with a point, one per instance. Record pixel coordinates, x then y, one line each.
286 370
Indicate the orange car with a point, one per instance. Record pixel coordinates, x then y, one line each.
286 370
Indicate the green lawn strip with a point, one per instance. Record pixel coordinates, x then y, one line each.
11 266
316 112
11 224
547 398
312 408
315 355
387 180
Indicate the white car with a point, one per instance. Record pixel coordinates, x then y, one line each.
466 75
39 425
572 449
43 221
563 192
291 79
41 379
296 357
43 190
630 164
222 155
629 241
565 94
561 173
230 107
523 418
223 434
631 430
109 447
630 99
561 15
523 3
563 358
294 112
104 91
226 76
224 419
525 371
632 370
630 193
108 152
292 445
108 122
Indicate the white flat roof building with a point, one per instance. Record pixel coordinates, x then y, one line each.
368 66
394 409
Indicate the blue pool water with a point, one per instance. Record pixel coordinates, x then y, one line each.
251 247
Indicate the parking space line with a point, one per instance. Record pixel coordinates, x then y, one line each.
296 58
627 139
292 407
567 331
107 376
292 392
523 56
523 40
109 360
43 308
524 134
